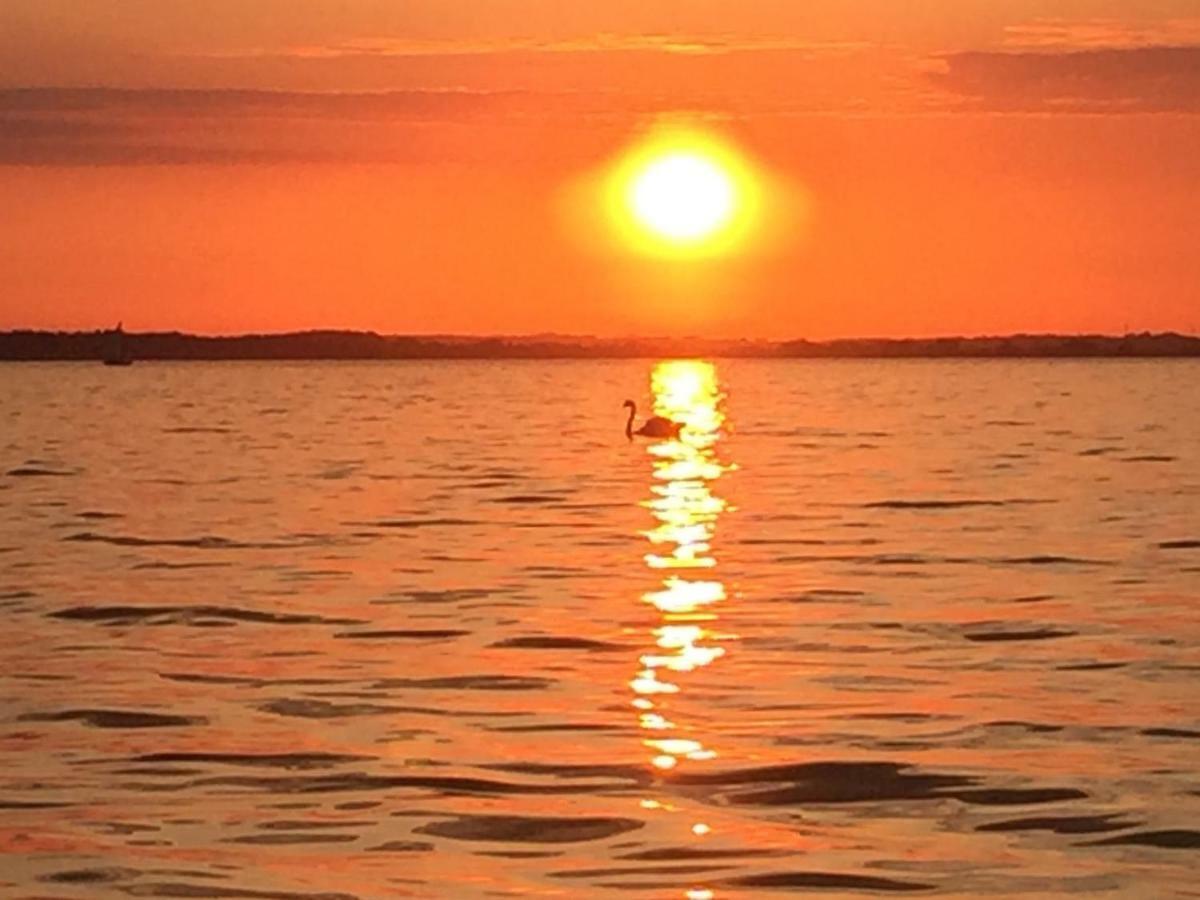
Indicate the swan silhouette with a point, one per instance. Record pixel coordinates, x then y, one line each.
655 426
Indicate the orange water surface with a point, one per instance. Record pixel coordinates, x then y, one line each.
325 631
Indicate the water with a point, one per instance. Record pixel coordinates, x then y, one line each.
438 630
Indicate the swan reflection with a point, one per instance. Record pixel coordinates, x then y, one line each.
682 501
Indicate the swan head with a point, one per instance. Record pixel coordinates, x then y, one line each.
629 404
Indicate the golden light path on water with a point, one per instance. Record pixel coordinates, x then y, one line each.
685 470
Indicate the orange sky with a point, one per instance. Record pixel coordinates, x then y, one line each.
402 167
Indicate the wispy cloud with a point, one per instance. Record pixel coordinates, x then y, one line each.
1111 80
1094 34
66 126
683 44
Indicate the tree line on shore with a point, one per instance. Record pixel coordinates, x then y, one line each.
351 345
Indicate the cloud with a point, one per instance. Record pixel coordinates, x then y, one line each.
1093 34
239 103
109 126
683 44
1125 80
82 126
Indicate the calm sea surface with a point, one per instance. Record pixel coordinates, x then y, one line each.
438 630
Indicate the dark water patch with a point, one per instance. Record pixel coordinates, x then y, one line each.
449 595
97 515
196 678
555 573
443 522
1101 451
17 595
269 760
299 708
408 709
124 828
1061 824
289 838
1018 796
1189 544
829 782
866 782
1050 560
1172 733
470 683
1031 634
558 525
1033 598
401 635
901 559
519 854
529 499
826 880
530 829
664 854
1170 839
39 472
186 429
202 542
32 804
358 805
913 718
552 642
189 615
170 566
213 892
1091 667
818 594
360 781
942 504
792 542
557 727
634 775
618 872
857 558
115 718
1031 727
311 574
189 873
1150 458
403 847
91 876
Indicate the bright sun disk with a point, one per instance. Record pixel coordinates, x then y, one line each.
682 196
683 193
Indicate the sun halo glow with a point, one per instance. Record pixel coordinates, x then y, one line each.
682 193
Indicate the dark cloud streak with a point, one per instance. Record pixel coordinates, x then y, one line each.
81 126
1114 80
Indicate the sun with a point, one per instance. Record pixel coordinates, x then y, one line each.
682 193
683 196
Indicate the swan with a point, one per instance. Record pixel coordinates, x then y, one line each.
655 426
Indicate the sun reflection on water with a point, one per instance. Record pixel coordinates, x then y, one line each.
687 510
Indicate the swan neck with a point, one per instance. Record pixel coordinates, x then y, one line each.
629 423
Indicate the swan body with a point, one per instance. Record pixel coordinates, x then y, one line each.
654 427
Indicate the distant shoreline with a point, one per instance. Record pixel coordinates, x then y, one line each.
51 346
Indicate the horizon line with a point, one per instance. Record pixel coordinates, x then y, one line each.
573 336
